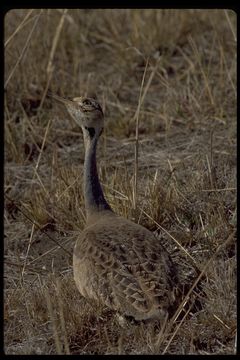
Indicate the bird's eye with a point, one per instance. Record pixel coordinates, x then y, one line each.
87 102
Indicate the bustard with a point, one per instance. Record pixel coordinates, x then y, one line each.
115 260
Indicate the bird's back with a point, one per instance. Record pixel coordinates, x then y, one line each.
124 265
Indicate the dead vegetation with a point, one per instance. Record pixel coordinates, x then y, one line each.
185 188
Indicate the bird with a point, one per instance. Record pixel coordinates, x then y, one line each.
116 261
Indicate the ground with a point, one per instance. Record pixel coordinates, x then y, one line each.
166 80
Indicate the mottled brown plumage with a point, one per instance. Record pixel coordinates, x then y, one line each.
123 265
116 261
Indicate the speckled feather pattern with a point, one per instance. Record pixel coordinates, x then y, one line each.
125 266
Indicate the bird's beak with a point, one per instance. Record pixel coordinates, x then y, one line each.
60 99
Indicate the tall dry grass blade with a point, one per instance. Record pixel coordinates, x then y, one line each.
160 336
54 322
210 172
23 50
228 71
142 96
42 255
68 187
41 150
50 66
176 330
198 58
62 320
211 149
221 322
10 139
235 344
28 248
230 25
212 190
202 224
19 27
136 140
120 345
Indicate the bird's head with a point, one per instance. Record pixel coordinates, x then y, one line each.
86 112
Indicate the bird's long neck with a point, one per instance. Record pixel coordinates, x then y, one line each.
93 194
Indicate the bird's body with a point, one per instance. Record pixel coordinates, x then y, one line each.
123 265
116 261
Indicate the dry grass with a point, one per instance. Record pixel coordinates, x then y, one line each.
173 72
